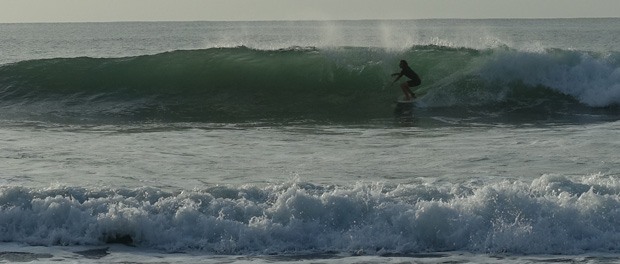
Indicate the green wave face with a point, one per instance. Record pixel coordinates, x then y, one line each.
342 84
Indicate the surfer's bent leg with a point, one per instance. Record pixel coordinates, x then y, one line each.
408 93
413 83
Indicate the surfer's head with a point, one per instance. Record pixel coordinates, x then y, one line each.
403 63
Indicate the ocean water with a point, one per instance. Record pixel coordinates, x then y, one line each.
277 142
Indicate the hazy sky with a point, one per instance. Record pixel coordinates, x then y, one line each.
191 10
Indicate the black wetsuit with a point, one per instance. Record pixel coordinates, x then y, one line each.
415 79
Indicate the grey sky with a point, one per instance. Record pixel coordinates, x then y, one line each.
210 10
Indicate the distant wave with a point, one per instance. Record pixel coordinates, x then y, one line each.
241 84
550 215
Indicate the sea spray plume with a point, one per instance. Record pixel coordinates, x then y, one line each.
395 39
319 34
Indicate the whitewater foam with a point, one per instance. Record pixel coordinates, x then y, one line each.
547 215
593 79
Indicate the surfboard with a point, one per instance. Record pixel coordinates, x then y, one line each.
404 107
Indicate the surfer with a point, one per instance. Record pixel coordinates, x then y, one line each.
413 82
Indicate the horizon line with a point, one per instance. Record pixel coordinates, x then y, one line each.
301 20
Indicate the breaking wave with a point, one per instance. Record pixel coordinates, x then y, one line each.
339 84
551 215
